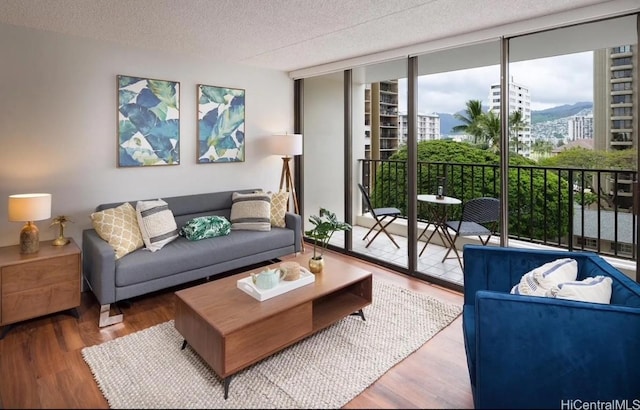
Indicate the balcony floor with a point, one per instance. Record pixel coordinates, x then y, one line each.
430 263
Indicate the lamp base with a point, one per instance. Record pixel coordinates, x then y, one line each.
29 239
60 241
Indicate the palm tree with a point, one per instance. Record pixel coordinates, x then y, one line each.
471 120
490 127
542 147
516 124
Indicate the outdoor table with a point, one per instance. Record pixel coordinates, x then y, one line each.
438 208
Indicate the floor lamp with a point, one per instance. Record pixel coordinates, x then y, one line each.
288 145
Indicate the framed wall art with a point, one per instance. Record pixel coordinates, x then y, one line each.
148 122
220 124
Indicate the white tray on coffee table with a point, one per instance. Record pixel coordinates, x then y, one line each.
247 286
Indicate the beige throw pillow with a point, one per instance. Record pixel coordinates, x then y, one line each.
119 227
279 202
251 212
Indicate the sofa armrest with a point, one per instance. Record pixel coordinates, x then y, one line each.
533 352
99 266
294 221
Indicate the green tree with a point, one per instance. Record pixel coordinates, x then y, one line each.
576 157
485 127
516 125
623 159
583 158
543 147
490 126
529 201
471 120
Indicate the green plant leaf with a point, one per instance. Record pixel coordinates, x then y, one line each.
213 94
165 91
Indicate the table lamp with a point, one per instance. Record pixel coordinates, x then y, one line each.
28 208
287 145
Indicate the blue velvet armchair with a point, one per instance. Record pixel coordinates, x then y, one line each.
539 352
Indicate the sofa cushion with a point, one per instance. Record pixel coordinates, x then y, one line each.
251 211
205 227
595 289
279 202
538 281
119 227
157 224
183 255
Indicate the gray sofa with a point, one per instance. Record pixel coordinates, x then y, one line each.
181 260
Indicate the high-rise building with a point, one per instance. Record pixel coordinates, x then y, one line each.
580 127
428 127
381 119
519 100
615 104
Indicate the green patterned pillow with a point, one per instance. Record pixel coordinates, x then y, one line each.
205 227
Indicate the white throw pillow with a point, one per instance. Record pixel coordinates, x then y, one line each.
538 281
558 271
596 290
157 224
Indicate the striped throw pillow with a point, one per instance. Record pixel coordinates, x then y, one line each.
157 224
593 289
538 281
251 212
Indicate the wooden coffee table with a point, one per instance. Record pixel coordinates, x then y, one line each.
231 330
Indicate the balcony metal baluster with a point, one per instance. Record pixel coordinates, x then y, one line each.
554 210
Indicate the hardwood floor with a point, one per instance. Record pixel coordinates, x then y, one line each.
41 364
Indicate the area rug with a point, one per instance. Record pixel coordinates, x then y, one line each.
148 369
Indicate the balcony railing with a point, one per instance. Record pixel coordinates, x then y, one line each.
571 208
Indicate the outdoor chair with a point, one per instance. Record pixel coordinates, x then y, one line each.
379 215
479 218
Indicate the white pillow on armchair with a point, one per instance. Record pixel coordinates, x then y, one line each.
538 281
596 290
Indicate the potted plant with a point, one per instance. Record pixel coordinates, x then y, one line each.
324 226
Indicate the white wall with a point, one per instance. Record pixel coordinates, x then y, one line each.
58 125
324 145
357 147
323 136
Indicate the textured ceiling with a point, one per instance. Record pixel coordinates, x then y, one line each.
277 34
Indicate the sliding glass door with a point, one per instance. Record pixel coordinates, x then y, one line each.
558 147
573 135
457 150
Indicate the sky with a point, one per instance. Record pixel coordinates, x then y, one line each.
552 81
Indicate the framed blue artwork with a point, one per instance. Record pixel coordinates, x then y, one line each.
220 124
148 122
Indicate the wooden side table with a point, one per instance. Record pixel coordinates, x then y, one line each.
38 284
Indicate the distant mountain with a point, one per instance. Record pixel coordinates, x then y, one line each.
561 111
448 121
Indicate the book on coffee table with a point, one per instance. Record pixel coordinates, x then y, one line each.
247 286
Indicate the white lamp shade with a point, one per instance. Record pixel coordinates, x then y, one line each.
286 144
29 207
